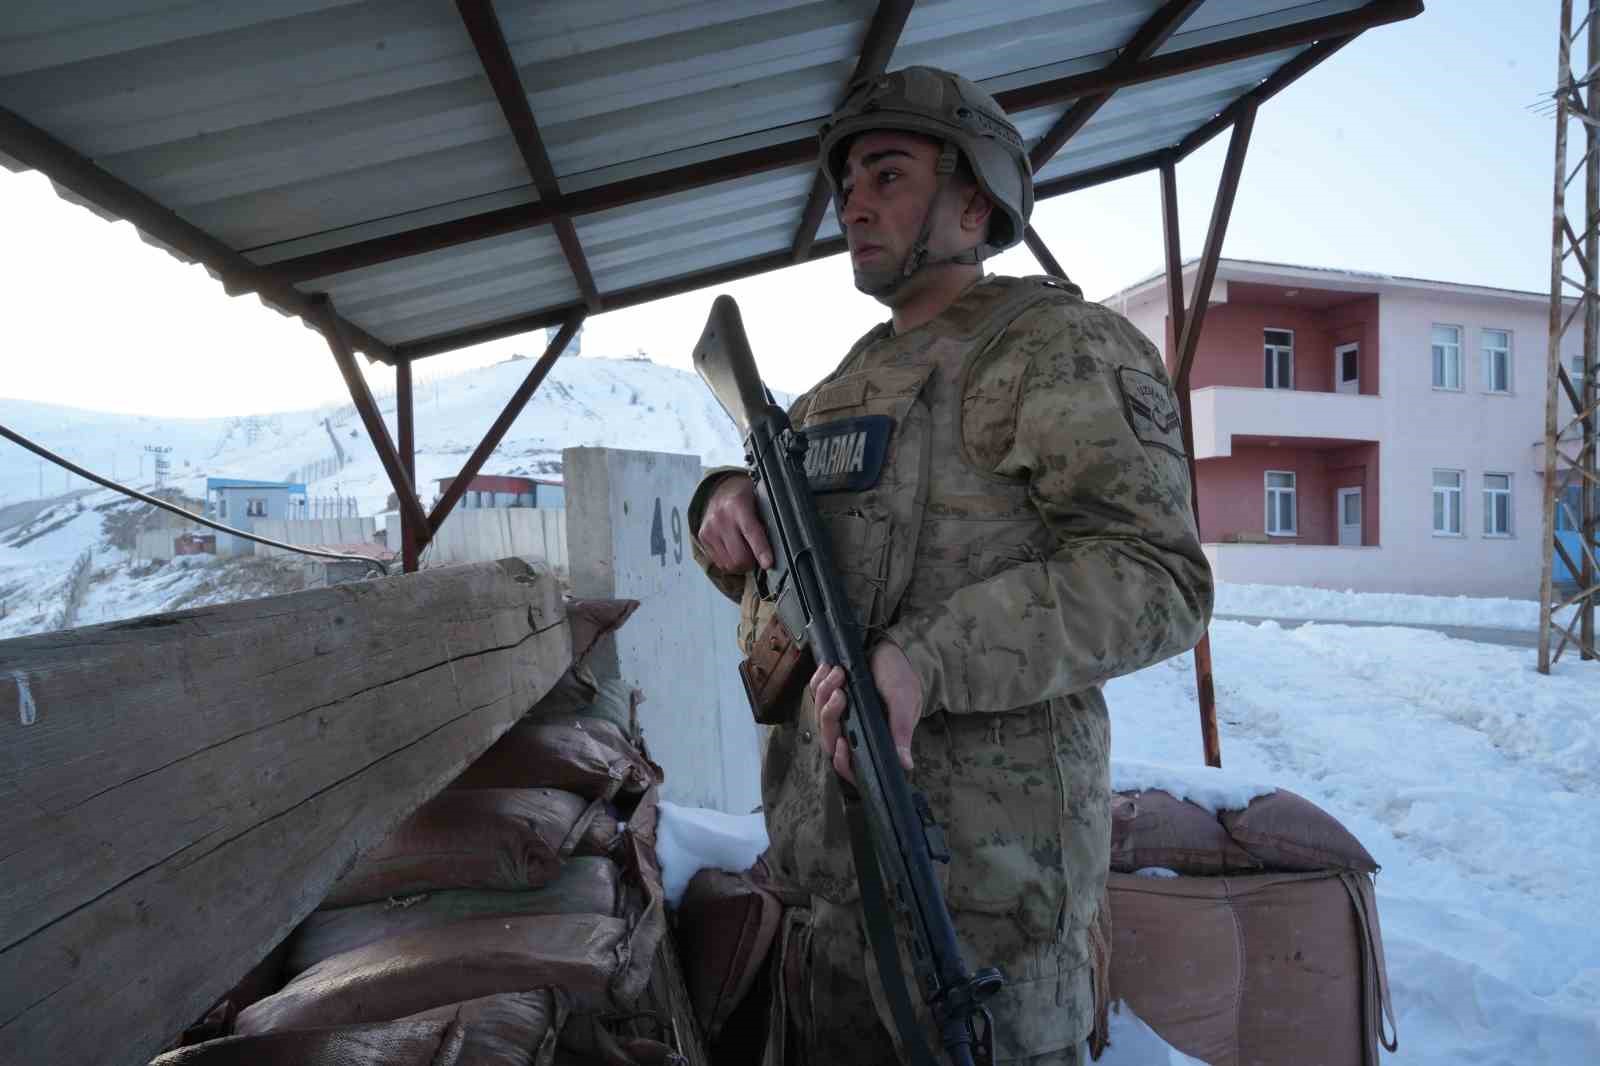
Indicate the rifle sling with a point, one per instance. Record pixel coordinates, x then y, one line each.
880 931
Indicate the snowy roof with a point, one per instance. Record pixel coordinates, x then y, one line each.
214 483
451 173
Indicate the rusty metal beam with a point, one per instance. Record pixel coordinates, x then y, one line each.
33 147
883 33
1140 47
1041 252
1172 244
803 150
367 408
405 417
491 439
494 54
1221 211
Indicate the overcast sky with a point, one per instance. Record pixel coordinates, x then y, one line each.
1415 151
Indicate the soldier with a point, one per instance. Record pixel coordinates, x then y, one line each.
1024 536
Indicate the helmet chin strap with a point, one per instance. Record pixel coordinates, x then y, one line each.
917 256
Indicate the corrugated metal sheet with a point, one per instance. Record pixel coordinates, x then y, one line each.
289 127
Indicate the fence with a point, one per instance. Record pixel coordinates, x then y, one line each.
66 616
483 535
332 507
322 468
313 532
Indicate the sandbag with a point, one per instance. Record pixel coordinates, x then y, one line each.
588 756
587 1041
492 838
1262 969
508 1030
726 926
263 979
583 885
395 1043
591 620
1286 831
580 954
1153 828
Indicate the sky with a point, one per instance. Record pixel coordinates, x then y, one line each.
1418 150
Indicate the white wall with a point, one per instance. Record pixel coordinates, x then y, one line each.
313 532
679 648
473 535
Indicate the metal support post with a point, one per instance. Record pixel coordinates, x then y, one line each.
405 416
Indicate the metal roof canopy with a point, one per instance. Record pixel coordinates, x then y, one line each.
379 168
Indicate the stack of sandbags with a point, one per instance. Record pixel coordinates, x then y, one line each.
1248 935
512 920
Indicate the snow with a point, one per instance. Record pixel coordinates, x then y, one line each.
1293 602
1206 786
691 839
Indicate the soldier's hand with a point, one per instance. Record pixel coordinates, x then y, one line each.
901 691
730 530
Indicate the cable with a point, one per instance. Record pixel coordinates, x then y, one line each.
89 475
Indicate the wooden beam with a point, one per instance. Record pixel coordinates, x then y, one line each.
170 825
494 54
35 148
883 34
803 150
491 439
1221 211
405 418
367 408
1150 36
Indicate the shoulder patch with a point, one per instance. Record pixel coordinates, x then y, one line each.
1151 410
847 455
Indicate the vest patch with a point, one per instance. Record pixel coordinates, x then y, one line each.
847 455
1151 410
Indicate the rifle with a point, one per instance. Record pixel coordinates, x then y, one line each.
893 836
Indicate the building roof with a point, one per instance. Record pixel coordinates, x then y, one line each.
1321 277
214 483
451 173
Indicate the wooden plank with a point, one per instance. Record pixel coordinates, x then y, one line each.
189 785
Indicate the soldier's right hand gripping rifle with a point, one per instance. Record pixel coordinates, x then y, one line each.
893 836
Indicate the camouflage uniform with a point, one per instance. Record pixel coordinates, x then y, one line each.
1030 537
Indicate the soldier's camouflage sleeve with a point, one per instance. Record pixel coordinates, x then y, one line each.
1077 401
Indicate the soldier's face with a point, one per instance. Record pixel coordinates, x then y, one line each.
887 184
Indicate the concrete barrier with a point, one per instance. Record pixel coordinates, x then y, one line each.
313 532
473 535
155 544
627 537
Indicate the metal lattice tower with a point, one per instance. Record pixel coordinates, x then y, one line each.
1572 408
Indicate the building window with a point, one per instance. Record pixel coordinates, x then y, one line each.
1279 347
1280 503
1447 503
255 508
1569 509
1496 360
1497 505
1447 357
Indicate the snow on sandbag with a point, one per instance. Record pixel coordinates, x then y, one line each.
1286 831
494 838
395 1043
1154 828
584 885
694 838
1266 969
517 1029
582 955
726 926
588 756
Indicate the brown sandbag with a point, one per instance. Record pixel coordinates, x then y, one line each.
518 1029
1286 831
588 884
726 925
1154 828
263 979
593 619
587 756
587 1041
395 1043
1262 969
581 954
491 838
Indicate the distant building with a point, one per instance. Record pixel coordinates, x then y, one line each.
243 503
494 490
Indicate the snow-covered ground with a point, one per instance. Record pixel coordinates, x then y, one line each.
1328 605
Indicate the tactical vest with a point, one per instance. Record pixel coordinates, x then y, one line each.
1023 793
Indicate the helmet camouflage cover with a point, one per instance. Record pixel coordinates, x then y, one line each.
952 110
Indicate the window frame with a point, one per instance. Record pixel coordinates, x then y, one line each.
1510 531
1484 366
1461 504
1460 333
1278 349
1269 490
255 507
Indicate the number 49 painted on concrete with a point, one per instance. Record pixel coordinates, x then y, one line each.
658 539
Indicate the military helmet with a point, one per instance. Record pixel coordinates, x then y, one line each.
950 109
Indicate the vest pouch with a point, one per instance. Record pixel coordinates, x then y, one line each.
859 535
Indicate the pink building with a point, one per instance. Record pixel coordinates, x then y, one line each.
1363 431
